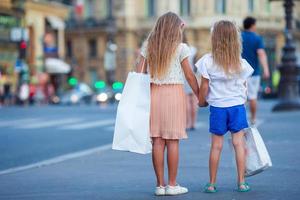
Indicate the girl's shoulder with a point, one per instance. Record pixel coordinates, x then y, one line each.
205 61
204 65
183 51
183 47
247 69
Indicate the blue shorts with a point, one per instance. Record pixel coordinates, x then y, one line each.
231 119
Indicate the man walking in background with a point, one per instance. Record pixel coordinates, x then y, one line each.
254 53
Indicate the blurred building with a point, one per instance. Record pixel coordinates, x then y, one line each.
297 30
45 23
94 24
31 31
11 20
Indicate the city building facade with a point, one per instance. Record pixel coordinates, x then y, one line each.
45 23
11 19
96 23
30 31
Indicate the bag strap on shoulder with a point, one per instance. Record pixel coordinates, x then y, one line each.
143 65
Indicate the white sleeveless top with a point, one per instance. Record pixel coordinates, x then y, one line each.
175 74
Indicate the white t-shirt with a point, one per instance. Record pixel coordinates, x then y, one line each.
224 90
175 73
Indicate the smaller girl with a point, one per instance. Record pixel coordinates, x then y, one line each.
223 87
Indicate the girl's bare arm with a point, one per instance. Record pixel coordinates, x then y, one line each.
203 92
189 75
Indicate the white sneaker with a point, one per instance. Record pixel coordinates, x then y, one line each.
160 191
176 190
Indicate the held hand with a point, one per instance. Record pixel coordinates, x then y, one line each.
201 104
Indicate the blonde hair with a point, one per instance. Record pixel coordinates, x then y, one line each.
163 41
226 46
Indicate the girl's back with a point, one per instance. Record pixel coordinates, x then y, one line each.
174 74
225 90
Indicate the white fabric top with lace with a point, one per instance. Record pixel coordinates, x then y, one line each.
175 74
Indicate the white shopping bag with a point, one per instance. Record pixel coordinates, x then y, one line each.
257 156
132 128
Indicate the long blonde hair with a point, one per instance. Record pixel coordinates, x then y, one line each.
163 41
226 46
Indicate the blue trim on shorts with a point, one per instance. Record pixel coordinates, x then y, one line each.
222 120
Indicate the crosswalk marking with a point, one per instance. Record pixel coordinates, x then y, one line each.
17 122
59 159
48 123
76 123
93 124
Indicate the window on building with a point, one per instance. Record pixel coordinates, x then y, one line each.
250 6
92 48
151 8
69 49
268 6
90 8
220 6
185 7
109 4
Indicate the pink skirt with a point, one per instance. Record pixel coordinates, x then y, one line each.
168 111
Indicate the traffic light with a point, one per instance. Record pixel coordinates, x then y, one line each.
72 81
22 49
117 85
100 85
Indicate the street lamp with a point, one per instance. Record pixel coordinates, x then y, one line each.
289 70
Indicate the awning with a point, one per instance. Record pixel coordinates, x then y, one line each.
56 66
56 22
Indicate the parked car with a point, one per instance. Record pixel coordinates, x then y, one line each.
80 94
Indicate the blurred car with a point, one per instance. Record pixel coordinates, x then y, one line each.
108 95
80 94
104 95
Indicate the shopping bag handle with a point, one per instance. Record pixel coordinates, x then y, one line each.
142 71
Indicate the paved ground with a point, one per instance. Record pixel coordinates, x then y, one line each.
32 134
111 174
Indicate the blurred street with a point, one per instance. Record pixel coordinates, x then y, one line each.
30 135
63 67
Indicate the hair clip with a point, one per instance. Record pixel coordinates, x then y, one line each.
182 24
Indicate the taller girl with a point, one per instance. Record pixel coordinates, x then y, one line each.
223 87
167 60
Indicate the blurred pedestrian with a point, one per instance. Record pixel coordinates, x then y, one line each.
191 99
110 62
24 93
253 52
223 87
167 60
32 91
7 89
1 90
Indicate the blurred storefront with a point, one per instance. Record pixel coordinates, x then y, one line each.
297 32
12 37
45 22
93 24
32 45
